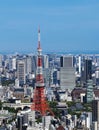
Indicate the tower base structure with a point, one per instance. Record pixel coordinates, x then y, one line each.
40 103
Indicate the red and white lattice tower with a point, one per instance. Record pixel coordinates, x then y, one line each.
39 98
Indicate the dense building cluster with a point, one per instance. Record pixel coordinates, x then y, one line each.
68 83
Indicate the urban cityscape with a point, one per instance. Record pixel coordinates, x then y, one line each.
50 82
49 91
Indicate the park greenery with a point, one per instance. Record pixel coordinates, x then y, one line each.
53 106
7 82
10 109
74 110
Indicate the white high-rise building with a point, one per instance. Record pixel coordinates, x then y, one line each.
45 61
46 120
79 60
34 63
1 59
88 120
14 63
29 64
17 83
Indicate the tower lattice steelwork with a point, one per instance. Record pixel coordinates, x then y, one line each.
39 99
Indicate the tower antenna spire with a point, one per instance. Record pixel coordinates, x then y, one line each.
39 46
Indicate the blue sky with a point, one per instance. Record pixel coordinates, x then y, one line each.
66 25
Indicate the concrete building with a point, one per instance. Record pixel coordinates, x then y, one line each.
1 59
29 64
87 69
16 82
66 61
45 61
67 73
22 121
46 120
18 93
95 114
21 72
97 76
13 63
34 63
79 65
65 96
90 92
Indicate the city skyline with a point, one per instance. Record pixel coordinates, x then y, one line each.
65 25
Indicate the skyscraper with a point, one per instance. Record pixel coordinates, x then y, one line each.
79 65
66 61
95 114
90 92
21 72
87 69
13 63
29 64
67 72
22 121
45 61
34 64
1 59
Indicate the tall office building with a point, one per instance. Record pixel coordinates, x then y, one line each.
16 83
95 114
22 121
90 92
79 65
1 59
87 69
29 64
45 61
34 63
66 61
67 72
97 76
13 63
10 63
21 72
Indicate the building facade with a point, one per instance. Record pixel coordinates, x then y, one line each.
21 72
67 72
87 69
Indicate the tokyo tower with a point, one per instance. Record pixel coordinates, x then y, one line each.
39 99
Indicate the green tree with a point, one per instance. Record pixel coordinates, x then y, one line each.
1 105
70 103
10 109
53 106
